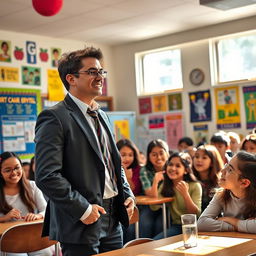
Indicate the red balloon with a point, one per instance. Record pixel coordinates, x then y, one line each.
47 7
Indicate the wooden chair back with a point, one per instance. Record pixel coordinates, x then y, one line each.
25 237
137 241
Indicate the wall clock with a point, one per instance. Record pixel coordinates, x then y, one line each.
196 76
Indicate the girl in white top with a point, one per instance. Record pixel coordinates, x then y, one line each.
19 198
236 203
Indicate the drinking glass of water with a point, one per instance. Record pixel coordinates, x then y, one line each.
189 230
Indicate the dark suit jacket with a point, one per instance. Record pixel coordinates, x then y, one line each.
70 172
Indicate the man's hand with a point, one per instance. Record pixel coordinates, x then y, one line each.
95 214
129 204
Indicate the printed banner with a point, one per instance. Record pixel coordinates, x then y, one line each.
9 74
200 106
19 109
145 106
227 107
159 103
250 106
55 87
156 121
175 101
174 129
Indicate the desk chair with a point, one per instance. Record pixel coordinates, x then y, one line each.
25 237
137 241
135 220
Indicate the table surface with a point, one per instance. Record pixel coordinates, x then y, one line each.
147 249
6 225
147 200
229 234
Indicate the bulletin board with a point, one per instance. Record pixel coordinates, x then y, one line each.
19 109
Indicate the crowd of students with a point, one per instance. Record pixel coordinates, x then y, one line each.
216 182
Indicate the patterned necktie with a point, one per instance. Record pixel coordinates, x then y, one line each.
103 146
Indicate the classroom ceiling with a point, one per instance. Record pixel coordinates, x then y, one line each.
115 22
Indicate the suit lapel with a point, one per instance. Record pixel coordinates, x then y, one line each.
79 118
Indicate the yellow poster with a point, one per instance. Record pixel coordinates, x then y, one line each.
122 130
160 103
55 87
227 107
9 74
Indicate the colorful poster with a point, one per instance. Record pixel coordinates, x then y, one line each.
55 56
174 129
55 87
200 106
201 135
19 109
145 106
145 135
31 52
250 106
31 75
122 130
9 74
156 121
175 101
5 51
227 107
159 103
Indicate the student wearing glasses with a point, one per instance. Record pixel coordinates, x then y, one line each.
233 208
78 166
20 199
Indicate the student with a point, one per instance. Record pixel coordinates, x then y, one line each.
207 164
19 198
221 141
180 183
234 142
236 204
185 144
151 175
142 158
32 168
25 167
130 162
249 143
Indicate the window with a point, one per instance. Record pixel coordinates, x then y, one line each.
158 72
236 58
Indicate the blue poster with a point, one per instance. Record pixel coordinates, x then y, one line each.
19 109
200 106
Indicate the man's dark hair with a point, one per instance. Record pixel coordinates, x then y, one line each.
186 140
71 63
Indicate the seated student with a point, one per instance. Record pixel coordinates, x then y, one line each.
19 197
180 183
130 162
142 158
234 142
221 141
32 169
25 167
185 144
207 164
151 176
236 203
249 143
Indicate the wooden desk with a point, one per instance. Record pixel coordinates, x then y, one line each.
6 225
147 249
229 234
147 200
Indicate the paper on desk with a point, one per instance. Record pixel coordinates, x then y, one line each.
206 244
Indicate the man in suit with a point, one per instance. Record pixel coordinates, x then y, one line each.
88 193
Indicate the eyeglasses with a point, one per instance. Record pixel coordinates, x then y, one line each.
9 171
95 73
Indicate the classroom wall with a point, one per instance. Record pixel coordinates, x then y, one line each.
195 53
19 39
